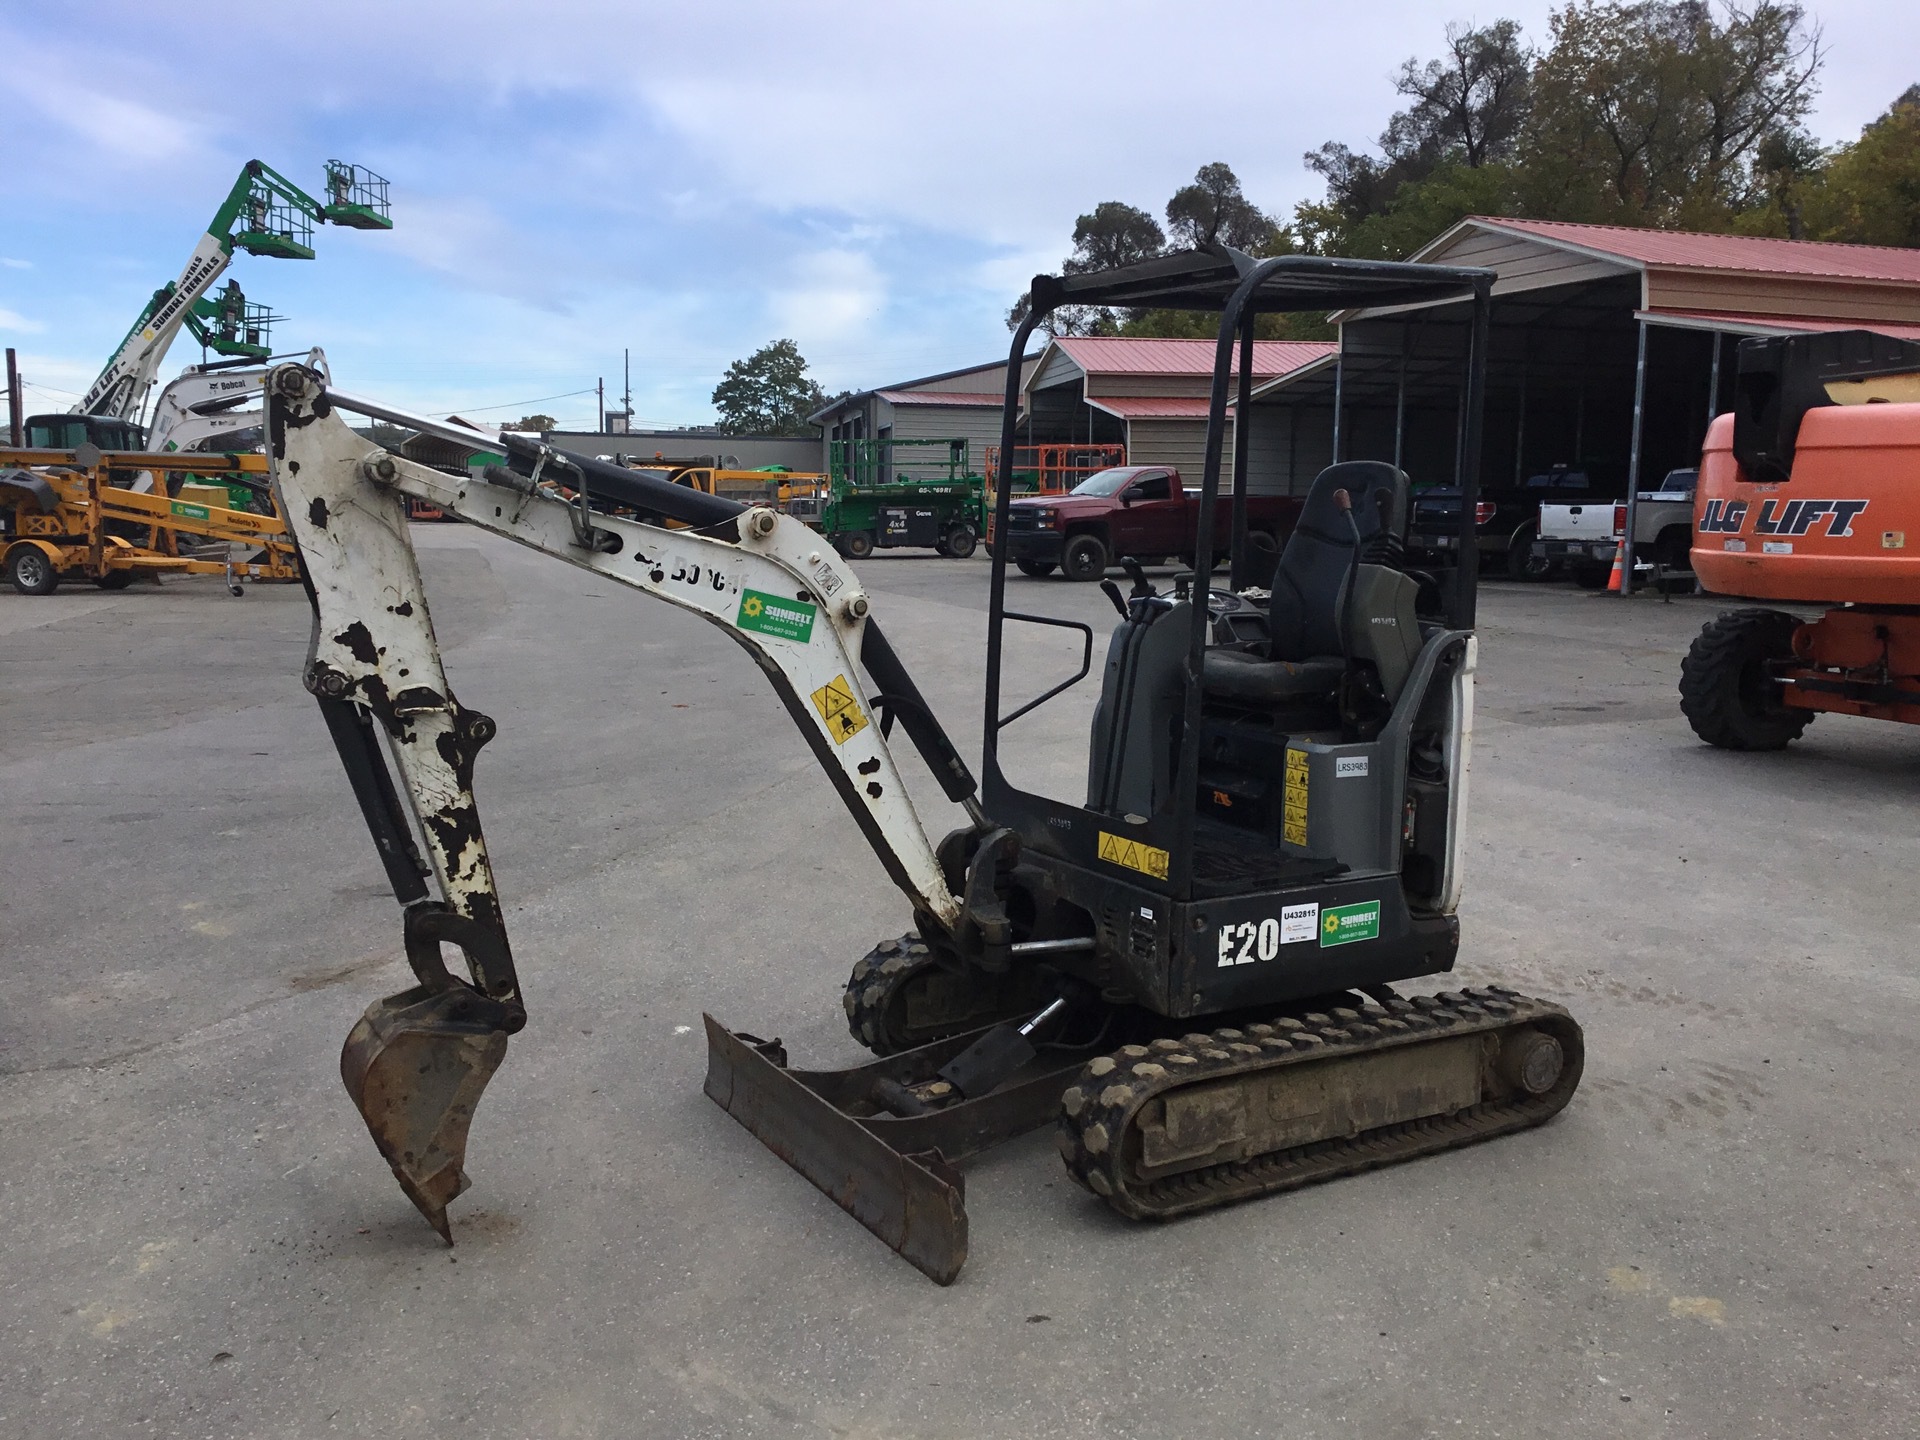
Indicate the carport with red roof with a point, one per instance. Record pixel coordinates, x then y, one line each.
1612 349
1147 394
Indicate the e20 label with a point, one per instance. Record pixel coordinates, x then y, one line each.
1251 940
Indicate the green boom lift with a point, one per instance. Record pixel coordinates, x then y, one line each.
264 214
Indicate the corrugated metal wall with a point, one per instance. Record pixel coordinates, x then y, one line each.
1525 264
1179 443
747 452
1287 446
979 425
1154 385
1057 368
983 380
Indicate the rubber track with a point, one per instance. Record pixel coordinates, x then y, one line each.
877 978
1099 1109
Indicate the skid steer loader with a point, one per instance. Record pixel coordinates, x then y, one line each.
1189 973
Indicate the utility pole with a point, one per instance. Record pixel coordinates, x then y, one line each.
626 385
16 422
600 392
1633 464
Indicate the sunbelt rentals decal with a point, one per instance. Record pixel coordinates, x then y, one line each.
1344 924
766 614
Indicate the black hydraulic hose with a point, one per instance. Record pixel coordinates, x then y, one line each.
892 679
617 485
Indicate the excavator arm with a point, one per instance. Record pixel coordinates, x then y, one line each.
417 1062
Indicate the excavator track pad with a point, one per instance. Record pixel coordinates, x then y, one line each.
416 1064
1182 1125
1166 1127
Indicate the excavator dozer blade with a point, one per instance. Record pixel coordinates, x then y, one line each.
915 1203
415 1065
894 1174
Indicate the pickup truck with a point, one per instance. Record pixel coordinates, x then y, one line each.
1504 519
1138 512
1583 537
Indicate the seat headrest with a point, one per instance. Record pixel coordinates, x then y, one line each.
1379 494
1303 618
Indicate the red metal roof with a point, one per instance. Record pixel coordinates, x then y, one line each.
1733 320
940 397
1125 355
1690 251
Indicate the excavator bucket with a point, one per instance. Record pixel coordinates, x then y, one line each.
415 1065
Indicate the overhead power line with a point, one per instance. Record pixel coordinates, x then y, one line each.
516 404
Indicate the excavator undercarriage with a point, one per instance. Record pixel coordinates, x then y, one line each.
1276 788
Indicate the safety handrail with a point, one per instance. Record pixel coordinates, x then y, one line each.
1086 664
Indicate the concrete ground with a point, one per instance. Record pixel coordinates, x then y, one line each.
1717 1238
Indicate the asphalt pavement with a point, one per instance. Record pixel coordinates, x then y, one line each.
1717 1237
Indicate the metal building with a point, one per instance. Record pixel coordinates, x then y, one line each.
1150 395
955 405
1611 349
699 445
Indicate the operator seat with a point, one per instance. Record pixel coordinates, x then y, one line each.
1308 650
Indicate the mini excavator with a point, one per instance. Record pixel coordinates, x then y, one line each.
1189 974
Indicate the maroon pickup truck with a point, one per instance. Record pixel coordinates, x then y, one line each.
1138 512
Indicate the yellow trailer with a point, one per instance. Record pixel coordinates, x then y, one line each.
70 514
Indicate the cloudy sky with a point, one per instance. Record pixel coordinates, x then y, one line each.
875 180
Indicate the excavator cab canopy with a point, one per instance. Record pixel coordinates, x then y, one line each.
1161 831
70 432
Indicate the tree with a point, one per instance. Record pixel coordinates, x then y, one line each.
1786 164
768 393
1414 214
1869 192
534 422
1470 110
1653 111
1470 104
1112 234
1358 188
1212 210
1641 112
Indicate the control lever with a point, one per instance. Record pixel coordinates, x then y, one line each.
1343 502
996 1055
1142 587
1112 592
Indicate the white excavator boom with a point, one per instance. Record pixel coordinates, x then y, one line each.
416 1063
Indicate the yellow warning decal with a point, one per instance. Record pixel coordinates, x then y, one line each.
1118 850
834 700
1293 826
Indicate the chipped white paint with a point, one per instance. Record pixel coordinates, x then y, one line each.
800 612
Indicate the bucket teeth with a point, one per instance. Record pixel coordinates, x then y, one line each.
415 1066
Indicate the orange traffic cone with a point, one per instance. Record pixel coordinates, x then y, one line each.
1613 580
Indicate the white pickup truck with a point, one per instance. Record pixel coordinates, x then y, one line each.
1582 538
